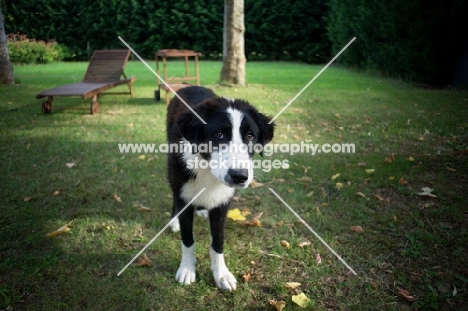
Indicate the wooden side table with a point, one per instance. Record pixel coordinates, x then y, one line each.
176 83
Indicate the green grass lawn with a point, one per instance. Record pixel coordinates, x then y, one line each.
412 138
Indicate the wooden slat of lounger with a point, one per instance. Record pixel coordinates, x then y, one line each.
106 65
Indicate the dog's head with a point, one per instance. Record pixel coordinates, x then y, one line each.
228 139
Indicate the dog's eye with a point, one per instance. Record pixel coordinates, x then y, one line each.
220 135
250 137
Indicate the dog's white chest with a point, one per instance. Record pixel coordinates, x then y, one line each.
215 194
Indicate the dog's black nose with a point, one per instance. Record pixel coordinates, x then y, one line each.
238 176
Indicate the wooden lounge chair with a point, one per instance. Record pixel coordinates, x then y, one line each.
105 71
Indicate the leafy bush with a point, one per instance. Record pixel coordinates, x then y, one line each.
24 50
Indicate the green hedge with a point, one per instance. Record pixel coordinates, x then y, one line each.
419 40
275 29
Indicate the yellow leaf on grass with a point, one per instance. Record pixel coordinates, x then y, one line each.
144 261
318 259
285 244
70 164
142 157
335 176
59 231
278 304
360 194
339 185
292 285
56 193
236 215
301 300
370 171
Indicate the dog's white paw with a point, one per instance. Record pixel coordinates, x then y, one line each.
221 274
185 275
202 213
224 279
175 225
186 272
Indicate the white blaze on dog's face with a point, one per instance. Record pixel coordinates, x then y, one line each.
232 162
232 129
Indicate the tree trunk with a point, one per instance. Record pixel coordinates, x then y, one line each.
6 69
233 70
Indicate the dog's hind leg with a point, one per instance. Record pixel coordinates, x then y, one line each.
222 276
186 272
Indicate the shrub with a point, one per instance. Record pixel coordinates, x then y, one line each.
24 50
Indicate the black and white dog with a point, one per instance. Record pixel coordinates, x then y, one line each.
229 122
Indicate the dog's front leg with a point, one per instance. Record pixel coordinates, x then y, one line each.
186 272
222 276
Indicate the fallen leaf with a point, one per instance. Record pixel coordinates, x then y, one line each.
278 304
356 229
254 184
378 197
27 199
144 209
117 198
421 138
142 157
305 178
56 193
144 261
303 244
59 231
338 185
361 164
402 181
70 164
451 169
370 171
253 222
245 211
246 277
318 259
310 194
391 177
236 215
411 159
335 176
427 192
292 285
301 300
285 244
406 295
360 194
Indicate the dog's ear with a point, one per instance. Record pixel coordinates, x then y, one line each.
266 129
191 127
